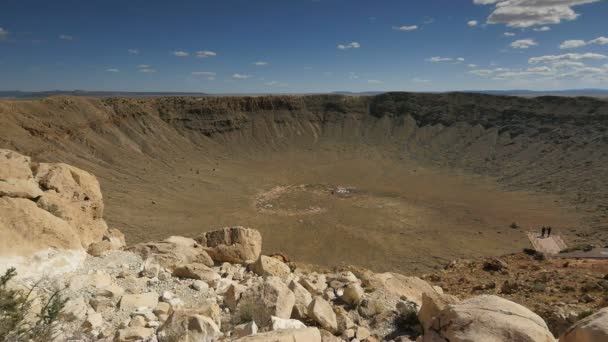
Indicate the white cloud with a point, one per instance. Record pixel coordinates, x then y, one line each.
112 70
599 40
205 54
145 68
472 23
542 29
353 76
509 34
405 28
276 84
565 57
238 76
260 63
3 34
207 74
438 59
133 51
353 45
567 64
572 44
472 65
527 13
181 53
420 80
65 37
374 82
487 72
523 43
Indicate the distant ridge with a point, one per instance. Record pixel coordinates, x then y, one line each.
592 92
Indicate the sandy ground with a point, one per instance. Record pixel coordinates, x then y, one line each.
394 216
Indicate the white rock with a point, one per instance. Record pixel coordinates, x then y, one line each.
282 324
245 329
322 312
200 285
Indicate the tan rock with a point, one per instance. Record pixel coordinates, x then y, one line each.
75 309
133 334
14 165
303 299
293 335
197 271
345 322
488 318
245 329
233 295
270 267
115 237
184 326
162 308
93 321
393 287
432 306
263 300
19 188
137 321
237 245
590 329
77 194
98 249
315 283
111 291
353 294
170 255
322 312
181 241
283 324
326 336
130 302
25 229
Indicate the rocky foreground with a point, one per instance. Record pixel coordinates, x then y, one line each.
219 287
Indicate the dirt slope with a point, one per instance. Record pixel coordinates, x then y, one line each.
398 181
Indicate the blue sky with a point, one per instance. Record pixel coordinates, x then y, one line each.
254 46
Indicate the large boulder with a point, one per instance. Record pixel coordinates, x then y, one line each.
47 206
197 271
392 288
186 326
488 318
267 266
75 196
321 311
432 306
26 229
170 254
591 329
290 335
237 245
263 300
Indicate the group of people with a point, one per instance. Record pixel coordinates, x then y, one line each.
546 230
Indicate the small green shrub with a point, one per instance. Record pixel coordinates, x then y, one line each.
17 320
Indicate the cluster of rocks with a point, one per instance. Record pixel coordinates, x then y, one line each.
219 287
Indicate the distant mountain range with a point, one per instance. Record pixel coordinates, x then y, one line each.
515 92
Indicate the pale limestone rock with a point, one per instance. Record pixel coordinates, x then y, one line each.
111 291
314 283
183 326
200 285
75 309
245 329
162 309
292 335
269 298
132 334
14 165
303 299
267 266
322 312
282 323
181 241
130 302
170 255
237 245
488 318
353 294
197 271
20 188
590 329
432 306
233 295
